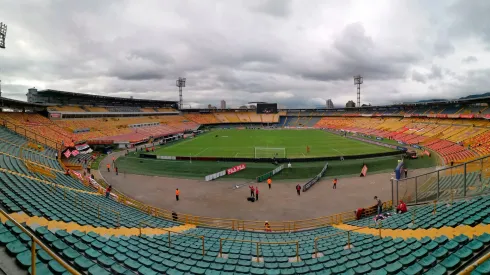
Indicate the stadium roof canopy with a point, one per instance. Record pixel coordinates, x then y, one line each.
50 97
19 104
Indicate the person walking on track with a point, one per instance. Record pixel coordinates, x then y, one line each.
256 193
177 194
298 189
269 182
334 183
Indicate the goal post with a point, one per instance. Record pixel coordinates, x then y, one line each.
269 153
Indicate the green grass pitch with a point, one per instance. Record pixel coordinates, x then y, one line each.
241 144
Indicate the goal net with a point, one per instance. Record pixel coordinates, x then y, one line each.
267 152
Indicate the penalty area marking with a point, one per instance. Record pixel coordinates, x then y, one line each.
236 155
337 151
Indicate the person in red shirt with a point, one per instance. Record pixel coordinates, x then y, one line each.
298 189
252 191
401 208
108 191
256 193
359 213
267 227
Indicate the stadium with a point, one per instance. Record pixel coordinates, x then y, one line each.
62 150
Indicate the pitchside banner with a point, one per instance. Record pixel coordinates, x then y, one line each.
235 169
314 180
228 171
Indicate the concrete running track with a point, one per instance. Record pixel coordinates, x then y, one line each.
220 199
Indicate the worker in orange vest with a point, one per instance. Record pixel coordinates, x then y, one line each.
108 167
334 183
177 193
269 182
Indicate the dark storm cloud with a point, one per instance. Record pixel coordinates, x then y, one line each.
141 75
471 19
473 82
14 91
354 52
285 51
276 8
435 72
419 77
469 59
443 47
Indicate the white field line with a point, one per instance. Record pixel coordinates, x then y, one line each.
202 151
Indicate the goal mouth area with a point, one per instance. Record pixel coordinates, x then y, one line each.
269 152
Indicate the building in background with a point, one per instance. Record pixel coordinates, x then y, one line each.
223 104
350 104
329 104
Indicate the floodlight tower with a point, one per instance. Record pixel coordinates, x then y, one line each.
358 81
3 34
180 83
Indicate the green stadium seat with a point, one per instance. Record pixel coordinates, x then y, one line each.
451 262
96 270
437 270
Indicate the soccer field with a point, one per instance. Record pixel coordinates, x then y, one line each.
291 143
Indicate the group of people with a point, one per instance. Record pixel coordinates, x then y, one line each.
378 207
254 192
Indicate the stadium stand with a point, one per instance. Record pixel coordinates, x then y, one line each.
148 110
124 109
65 108
95 109
93 234
449 138
198 250
202 118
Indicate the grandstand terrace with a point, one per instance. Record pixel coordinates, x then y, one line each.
78 230
117 242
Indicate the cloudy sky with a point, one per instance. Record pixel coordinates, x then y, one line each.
296 53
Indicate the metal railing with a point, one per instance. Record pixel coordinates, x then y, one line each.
169 232
257 245
245 225
34 241
83 203
456 182
31 135
348 232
